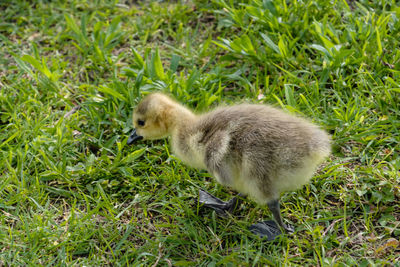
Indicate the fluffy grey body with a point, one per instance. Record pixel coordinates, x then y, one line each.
257 150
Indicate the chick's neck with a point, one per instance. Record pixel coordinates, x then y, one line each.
181 119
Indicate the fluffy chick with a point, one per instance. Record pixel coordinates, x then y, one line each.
257 150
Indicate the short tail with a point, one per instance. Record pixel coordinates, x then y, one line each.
321 145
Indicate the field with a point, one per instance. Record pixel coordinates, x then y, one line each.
73 193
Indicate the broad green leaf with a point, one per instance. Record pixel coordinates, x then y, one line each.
246 43
71 24
282 47
134 155
138 59
14 135
138 81
33 61
225 46
192 78
327 43
289 95
205 46
40 66
321 49
378 40
129 72
270 43
112 92
82 38
83 25
211 100
157 65
23 65
237 46
174 62
268 4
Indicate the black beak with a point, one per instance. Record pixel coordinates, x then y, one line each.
133 137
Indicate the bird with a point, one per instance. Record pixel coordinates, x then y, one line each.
256 149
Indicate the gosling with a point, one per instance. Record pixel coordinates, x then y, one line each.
257 150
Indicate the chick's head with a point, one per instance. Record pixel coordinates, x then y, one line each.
151 117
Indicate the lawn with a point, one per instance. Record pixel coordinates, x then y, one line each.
73 193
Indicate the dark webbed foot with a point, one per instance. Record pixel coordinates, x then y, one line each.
220 206
269 229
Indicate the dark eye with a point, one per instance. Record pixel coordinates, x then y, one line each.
140 122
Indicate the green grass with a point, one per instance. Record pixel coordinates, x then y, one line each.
73 193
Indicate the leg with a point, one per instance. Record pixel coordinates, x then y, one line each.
276 211
221 207
271 229
223 175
